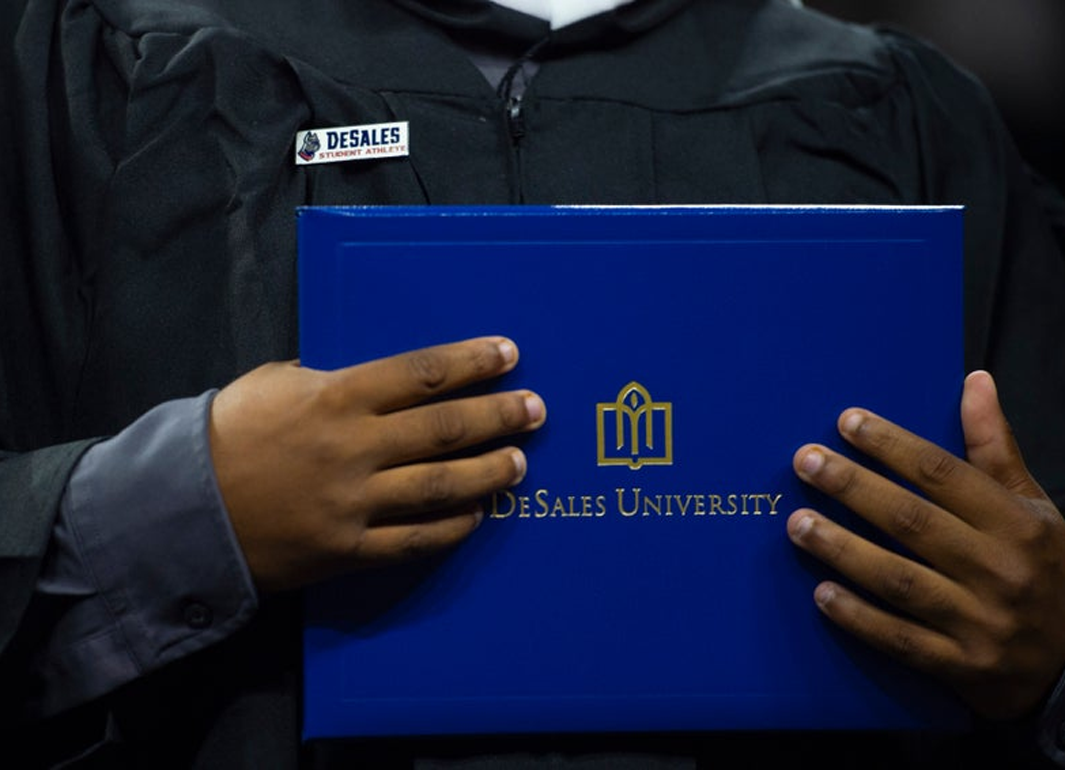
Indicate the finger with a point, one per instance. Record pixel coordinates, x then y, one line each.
919 524
920 648
955 485
912 588
989 441
414 490
396 382
435 429
402 542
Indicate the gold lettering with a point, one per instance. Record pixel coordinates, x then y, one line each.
586 505
556 509
497 513
635 501
655 506
632 502
541 502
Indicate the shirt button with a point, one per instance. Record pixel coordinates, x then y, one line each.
198 615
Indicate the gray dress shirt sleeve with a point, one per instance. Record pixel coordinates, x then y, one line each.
144 565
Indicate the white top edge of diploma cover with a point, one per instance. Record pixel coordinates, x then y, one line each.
640 578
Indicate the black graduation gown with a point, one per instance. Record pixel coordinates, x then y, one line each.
149 244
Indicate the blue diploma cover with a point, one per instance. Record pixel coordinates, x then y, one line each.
640 577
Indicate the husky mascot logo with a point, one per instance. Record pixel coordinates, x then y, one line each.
311 145
634 430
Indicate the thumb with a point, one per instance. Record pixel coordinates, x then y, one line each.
989 442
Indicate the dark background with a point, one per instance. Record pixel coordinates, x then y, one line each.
1016 47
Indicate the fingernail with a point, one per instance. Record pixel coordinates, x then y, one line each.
851 422
520 465
824 594
509 351
534 407
478 516
799 527
811 463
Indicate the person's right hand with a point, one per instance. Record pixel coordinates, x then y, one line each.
328 472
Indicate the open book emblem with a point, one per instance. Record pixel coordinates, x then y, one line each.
634 429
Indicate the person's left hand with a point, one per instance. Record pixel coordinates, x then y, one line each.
984 609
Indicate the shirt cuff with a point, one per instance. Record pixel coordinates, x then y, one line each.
143 557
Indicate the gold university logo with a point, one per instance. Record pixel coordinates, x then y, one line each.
634 430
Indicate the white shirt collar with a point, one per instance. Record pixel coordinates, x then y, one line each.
561 12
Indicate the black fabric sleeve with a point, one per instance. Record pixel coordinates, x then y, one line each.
1015 306
30 484
1015 267
40 337
30 487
